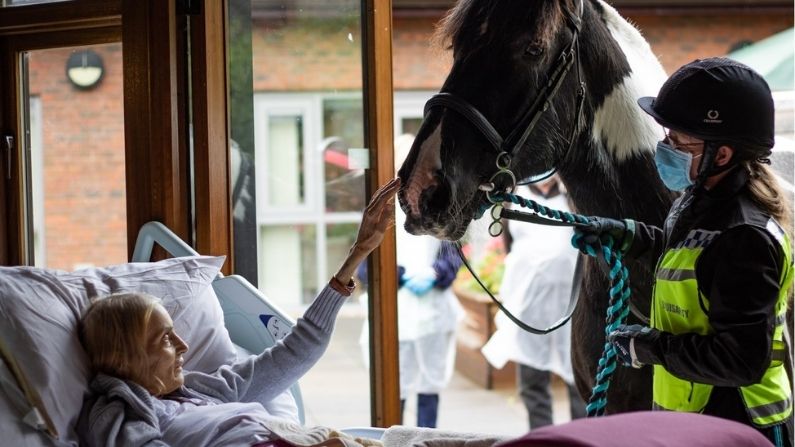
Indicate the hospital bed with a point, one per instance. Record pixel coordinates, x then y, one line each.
44 373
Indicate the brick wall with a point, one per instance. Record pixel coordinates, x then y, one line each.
677 40
307 57
304 58
417 63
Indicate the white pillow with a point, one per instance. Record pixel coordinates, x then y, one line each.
40 309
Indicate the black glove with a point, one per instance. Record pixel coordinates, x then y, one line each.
622 232
631 340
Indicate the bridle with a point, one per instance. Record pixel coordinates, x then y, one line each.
508 147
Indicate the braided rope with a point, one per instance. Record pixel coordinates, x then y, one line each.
618 304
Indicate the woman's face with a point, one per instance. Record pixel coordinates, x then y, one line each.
689 145
165 350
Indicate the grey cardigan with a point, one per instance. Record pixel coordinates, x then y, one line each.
122 413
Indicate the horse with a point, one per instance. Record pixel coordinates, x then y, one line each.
560 78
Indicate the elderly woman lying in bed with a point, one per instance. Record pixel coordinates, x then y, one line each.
141 396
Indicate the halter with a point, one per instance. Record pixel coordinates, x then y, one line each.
506 148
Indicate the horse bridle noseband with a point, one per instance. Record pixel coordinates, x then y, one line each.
509 146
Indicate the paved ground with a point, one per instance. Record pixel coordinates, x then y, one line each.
336 393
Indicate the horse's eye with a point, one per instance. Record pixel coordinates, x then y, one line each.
534 50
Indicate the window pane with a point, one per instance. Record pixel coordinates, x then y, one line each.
410 125
343 118
287 269
343 129
285 160
77 169
344 362
339 238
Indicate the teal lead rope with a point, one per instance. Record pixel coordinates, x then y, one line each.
618 305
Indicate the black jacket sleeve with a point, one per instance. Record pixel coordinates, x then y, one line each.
648 242
739 274
446 265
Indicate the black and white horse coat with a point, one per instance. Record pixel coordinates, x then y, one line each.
502 54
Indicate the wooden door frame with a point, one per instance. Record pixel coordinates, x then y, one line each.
211 132
212 173
155 124
59 16
379 137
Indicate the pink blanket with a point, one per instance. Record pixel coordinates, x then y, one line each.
644 428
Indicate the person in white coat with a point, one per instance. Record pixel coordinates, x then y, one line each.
428 312
536 288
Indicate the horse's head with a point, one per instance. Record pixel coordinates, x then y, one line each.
505 54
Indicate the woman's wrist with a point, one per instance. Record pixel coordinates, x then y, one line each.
355 257
344 287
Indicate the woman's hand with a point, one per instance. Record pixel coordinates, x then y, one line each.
377 217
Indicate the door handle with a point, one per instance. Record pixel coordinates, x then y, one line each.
8 146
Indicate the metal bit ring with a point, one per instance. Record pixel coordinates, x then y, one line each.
495 229
509 189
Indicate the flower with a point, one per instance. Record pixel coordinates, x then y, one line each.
490 268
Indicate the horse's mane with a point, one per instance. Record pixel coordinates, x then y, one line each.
471 18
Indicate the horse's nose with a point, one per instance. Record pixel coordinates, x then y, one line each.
425 207
413 225
413 192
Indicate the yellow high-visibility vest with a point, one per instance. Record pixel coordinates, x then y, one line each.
677 308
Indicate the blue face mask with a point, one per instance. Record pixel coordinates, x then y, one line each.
673 166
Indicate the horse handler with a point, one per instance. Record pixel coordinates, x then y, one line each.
724 257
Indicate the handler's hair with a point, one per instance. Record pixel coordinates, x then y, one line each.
113 332
768 194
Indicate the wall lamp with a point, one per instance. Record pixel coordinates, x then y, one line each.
84 69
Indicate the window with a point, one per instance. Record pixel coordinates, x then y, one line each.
309 199
284 129
309 195
409 110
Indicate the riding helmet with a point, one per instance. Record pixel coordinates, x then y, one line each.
717 99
